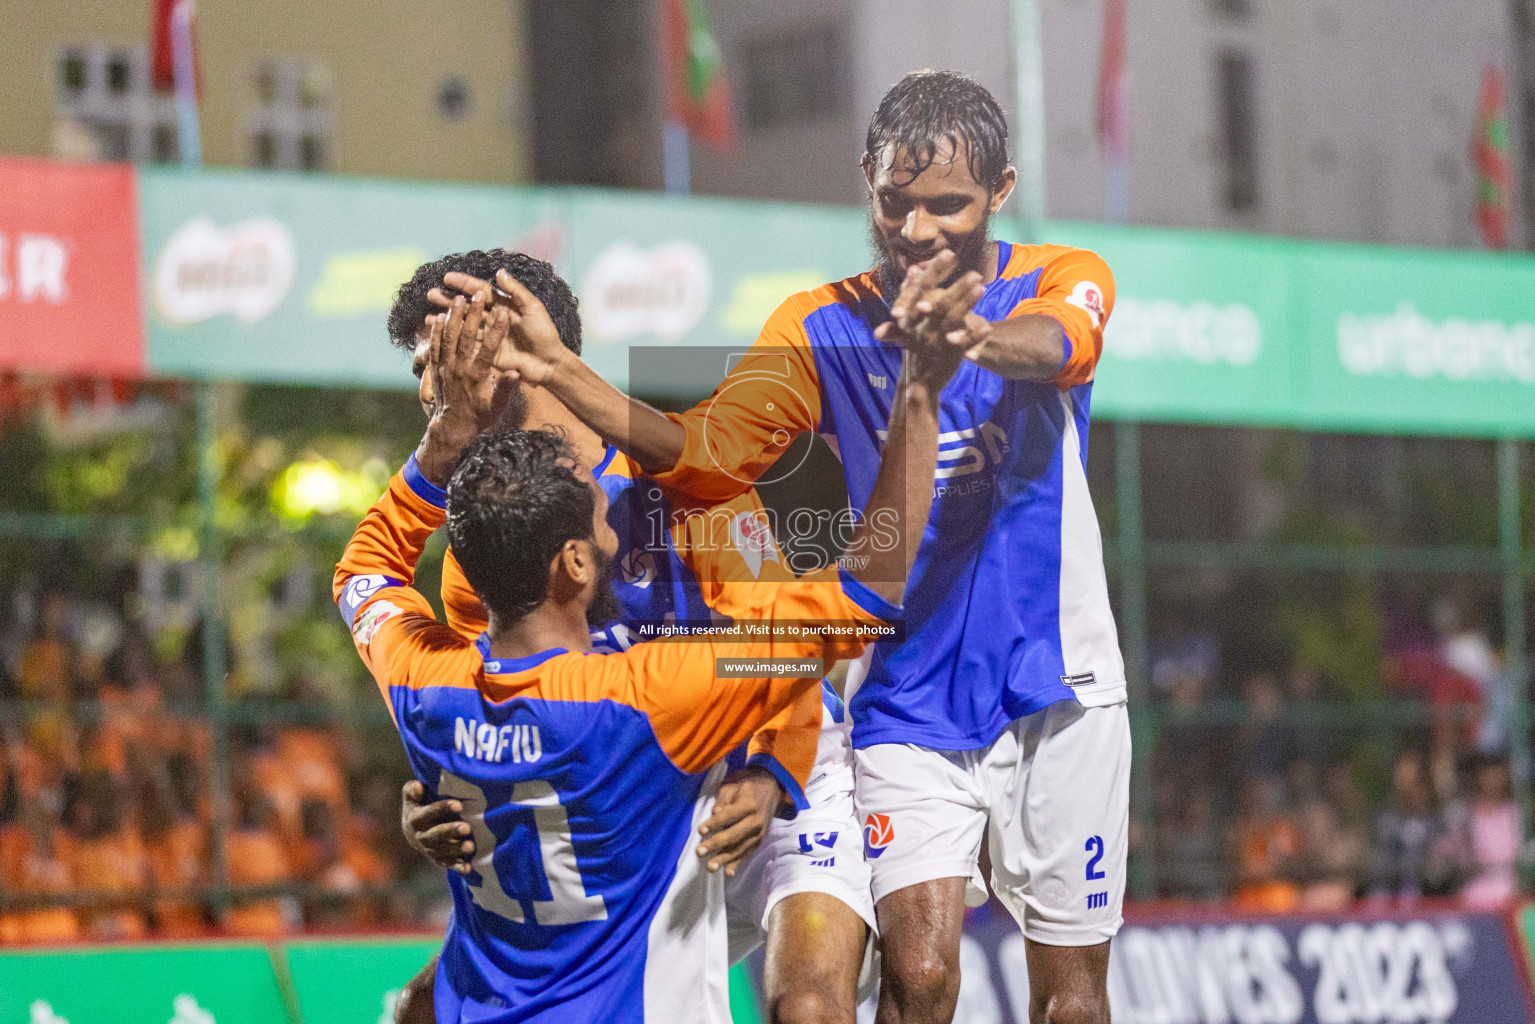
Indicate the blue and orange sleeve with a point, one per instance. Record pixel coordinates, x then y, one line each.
1075 287
767 399
392 624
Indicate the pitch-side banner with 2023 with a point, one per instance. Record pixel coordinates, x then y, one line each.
279 277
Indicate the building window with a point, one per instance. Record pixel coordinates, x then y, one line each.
290 121
107 102
794 75
1237 110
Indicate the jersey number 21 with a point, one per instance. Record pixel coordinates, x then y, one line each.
568 902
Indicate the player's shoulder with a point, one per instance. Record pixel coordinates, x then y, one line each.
850 291
1024 260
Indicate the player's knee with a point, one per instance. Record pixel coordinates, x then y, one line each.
926 983
812 1007
1072 1008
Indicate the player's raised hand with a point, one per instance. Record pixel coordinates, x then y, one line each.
436 830
533 347
744 809
463 343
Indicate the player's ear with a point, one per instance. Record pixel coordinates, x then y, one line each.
868 170
1009 180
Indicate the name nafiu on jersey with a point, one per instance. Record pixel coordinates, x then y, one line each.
1007 605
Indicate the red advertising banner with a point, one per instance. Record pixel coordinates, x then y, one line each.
69 269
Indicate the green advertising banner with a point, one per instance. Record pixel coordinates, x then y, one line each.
276 277
213 984
352 981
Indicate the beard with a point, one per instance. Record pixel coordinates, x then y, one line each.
604 607
891 258
509 408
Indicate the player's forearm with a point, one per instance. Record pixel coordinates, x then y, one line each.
390 538
631 426
1027 347
902 497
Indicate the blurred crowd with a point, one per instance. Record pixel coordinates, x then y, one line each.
1276 798
108 823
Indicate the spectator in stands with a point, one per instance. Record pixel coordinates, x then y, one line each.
44 672
1266 845
1193 851
1484 835
257 859
34 863
1263 740
107 859
1406 834
177 844
1331 856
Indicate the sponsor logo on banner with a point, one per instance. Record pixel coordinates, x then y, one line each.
878 833
630 292
32 268
357 283
244 270
1407 344
1430 968
1199 332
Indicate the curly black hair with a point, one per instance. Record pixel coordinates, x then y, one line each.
926 109
411 307
513 502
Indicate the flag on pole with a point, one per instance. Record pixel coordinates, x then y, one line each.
1114 112
697 95
1489 152
164 49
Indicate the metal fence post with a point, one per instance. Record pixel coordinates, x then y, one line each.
1132 583
1515 661
211 554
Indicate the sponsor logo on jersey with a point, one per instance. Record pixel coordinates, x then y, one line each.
753 539
1089 297
880 381
357 591
1097 900
638 568
1080 679
878 833
966 452
369 621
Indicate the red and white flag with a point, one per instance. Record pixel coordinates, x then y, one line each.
1114 112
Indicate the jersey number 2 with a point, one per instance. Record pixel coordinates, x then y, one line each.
568 902
1095 844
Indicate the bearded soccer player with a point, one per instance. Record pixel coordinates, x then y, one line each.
1001 719
584 776
806 890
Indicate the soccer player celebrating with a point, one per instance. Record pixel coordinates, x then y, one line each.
583 777
1001 718
812 906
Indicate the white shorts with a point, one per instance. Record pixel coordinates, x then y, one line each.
820 850
1052 797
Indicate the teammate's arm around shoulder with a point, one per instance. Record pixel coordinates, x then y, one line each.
697 716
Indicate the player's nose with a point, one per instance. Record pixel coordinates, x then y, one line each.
919 228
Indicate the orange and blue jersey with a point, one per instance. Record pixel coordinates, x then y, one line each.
584 778
1007 607
678 561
